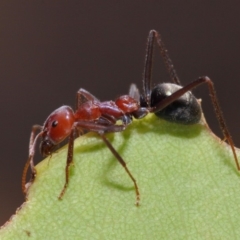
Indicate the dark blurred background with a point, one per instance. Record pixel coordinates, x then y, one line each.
49 49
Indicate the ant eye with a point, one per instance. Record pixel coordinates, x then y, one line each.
54 123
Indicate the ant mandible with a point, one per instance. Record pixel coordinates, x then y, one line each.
167 100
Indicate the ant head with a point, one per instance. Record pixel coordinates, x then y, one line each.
56 128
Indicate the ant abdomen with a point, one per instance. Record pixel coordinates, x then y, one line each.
184 110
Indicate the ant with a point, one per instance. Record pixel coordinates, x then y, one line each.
90 115
169 101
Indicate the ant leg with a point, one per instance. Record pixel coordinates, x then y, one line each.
166 58
96 127
168 100
32 143
147 74
90 126
122 162
69 162
221 120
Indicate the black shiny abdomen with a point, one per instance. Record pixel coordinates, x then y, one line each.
185 110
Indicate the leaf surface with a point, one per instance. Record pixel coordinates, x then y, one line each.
189 186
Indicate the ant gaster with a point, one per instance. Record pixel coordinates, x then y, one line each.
169 101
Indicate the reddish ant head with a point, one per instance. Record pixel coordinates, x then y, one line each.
56 128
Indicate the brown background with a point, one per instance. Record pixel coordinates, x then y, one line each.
49 50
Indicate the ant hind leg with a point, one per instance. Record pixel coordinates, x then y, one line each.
123 163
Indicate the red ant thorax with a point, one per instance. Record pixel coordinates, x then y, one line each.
88 111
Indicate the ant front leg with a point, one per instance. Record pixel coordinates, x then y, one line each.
168 100
69 162
32 144
123 163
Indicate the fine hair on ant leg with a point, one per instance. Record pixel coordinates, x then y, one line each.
161 99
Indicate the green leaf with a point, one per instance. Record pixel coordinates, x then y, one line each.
189 186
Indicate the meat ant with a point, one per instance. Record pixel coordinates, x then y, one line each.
91 115
169 101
